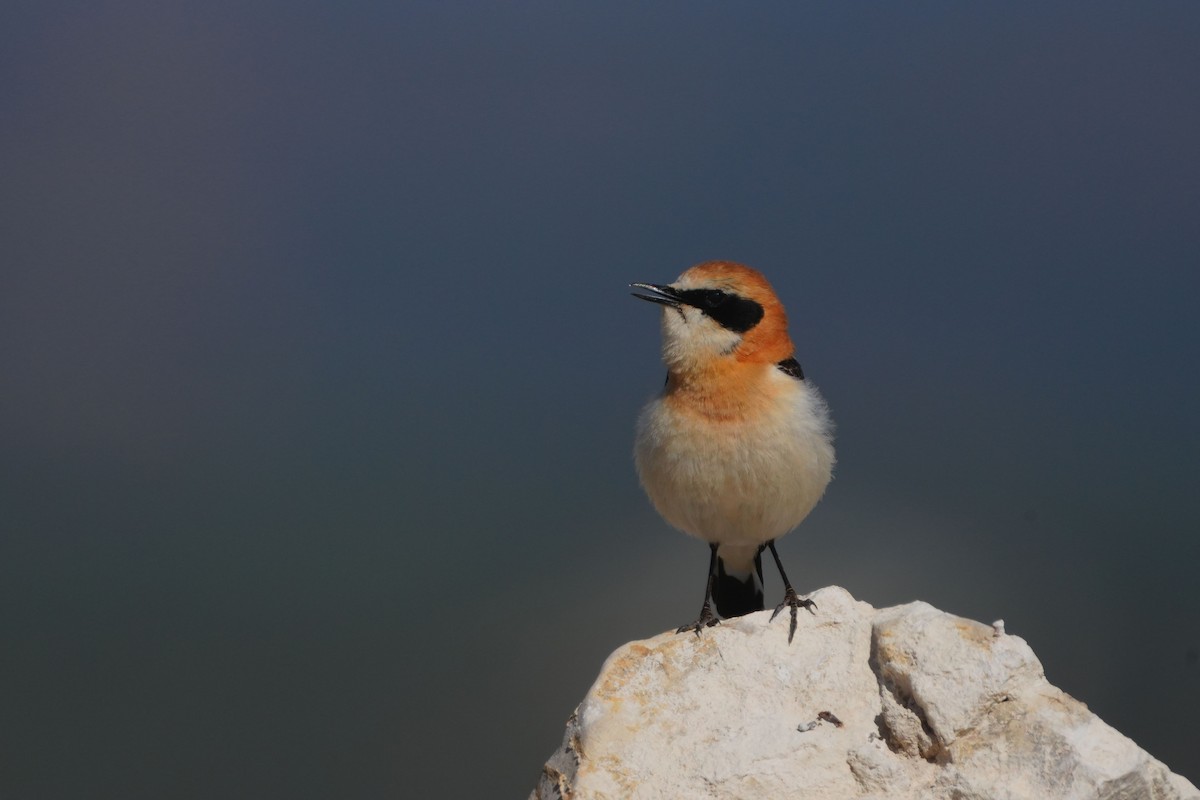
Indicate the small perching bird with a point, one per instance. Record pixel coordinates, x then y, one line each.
738 447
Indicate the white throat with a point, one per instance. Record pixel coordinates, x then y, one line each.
692 339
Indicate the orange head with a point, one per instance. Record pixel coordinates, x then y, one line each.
717 316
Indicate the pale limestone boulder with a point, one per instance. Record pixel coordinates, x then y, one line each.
906 702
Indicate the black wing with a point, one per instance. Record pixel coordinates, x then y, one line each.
791 366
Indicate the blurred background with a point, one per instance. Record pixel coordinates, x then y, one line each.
318 368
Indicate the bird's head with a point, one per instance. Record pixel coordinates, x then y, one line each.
719 313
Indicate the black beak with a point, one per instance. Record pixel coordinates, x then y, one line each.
657 293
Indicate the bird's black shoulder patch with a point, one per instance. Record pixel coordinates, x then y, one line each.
790 366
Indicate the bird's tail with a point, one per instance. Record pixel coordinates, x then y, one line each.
738 587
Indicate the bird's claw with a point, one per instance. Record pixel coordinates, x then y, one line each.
706 620
793 602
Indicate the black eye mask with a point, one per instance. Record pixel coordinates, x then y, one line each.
730 311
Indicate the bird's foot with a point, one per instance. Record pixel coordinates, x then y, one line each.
707 620
793 601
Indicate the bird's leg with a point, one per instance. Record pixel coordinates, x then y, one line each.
706 620
790 598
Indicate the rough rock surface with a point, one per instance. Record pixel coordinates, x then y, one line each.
904 702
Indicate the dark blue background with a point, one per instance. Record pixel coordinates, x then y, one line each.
318 371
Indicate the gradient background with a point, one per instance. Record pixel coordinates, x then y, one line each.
319 370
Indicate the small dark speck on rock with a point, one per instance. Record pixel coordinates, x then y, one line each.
829 717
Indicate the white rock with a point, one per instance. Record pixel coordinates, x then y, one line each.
930 705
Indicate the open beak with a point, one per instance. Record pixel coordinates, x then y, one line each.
657 293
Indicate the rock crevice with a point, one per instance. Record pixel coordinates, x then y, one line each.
901 720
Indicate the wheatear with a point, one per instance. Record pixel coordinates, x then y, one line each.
738 448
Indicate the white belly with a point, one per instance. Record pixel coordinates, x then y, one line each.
737 483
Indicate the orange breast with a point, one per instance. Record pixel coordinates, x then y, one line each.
727 391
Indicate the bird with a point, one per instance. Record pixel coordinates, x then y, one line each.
737 448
